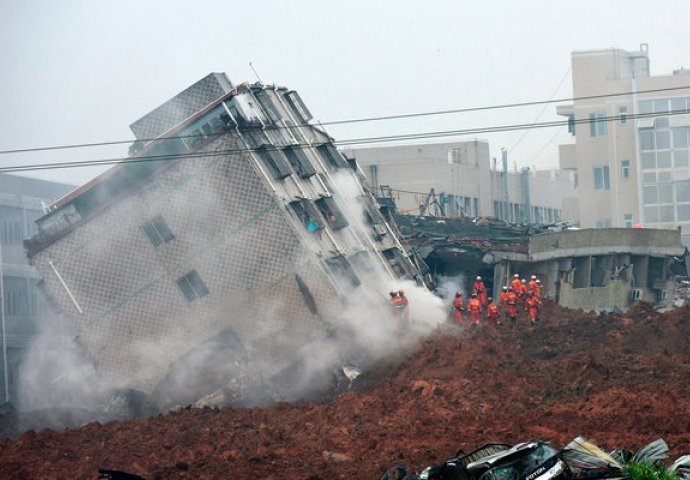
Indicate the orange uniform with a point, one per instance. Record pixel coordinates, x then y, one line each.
492 313
475 310
532 304
512 300
537 290
502 298
458 309
532 286
480 288
516 285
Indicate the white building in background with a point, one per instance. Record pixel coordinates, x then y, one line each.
631 136
466 181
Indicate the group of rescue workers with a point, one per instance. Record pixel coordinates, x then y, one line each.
519 293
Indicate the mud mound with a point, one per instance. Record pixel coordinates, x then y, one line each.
620 380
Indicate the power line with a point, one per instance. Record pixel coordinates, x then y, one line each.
359 141
359 120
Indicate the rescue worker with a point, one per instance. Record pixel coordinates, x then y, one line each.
492 313
532 304
502 297
406 306
523 290
511 301
516 283
537 289
532 283
458 308
397 303
480 288
475 308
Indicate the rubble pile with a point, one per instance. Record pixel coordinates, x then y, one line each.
620 380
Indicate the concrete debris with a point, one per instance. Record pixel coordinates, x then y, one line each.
538 460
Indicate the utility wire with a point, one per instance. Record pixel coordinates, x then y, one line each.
359 120
359 141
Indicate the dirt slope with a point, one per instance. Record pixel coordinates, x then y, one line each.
620 380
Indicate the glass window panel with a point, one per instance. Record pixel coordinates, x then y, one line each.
648 161
680 137
681 175
598 178
683 213
683 191
665 193
651 214
663 140
663 160
665 176
649 195
680 158
648 178
677 104
646 106
660 106
661 122
666 213
646 139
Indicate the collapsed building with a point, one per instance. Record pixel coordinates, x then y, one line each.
234 222
602 269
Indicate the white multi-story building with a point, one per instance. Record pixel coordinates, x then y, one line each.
631 135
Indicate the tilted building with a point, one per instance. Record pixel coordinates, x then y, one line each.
233 218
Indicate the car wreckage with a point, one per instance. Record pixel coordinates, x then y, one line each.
538 460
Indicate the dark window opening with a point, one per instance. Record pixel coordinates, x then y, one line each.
373 215
300 162
267 103
330 211
298 106
332 156
396 260
342 268
307 214
275 160
192 287
308 297
157 231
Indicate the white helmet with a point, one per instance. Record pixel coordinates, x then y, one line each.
538 281
534 277
478 277
516 276
523 281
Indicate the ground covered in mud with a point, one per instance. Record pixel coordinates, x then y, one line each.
618 380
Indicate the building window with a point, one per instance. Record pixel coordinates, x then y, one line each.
623 115
331 213
604 223
300 162
192 287
307 214
299 108
571 124
597 124
625 168
649 196
157 231
342 268
601 178
332 156
628 220
275 160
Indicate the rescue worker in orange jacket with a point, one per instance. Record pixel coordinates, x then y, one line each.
512 300
458 307
516 283
502 297
532 283
480 288
475 308
523 290
397 303
537 289
406 306
532 304
492 313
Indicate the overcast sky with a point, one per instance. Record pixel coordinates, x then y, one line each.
83 71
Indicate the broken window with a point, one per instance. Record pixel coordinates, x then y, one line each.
192 286
343 269
397 261
157 231
299 108
330 211
275 160
269 105
300 162
307 214
332 156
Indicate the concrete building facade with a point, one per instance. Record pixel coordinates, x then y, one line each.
631 144
465 182
243 221
24 311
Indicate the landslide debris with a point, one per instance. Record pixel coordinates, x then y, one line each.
618 379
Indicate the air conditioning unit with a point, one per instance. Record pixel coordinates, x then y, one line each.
635 294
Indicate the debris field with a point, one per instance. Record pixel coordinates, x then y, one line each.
620 380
